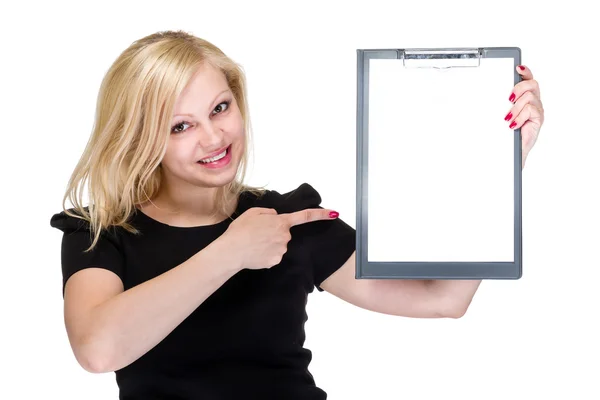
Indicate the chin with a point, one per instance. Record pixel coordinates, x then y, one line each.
219 181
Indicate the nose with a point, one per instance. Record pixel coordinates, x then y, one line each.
210 135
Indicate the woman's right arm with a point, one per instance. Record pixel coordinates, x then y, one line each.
109 328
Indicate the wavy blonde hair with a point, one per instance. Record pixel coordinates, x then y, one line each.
135 104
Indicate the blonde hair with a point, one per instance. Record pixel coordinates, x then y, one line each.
121 161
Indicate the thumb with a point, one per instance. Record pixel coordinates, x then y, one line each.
309 215
261 210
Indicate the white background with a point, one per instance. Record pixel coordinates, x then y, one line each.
534 338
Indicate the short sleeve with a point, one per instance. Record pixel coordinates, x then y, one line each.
332 246
77 238
330 243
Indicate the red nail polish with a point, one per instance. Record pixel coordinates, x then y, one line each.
514 123
522 68
508 116
333 214
512 97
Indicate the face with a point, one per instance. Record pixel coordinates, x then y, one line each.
206 123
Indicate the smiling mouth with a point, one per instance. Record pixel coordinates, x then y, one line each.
220 156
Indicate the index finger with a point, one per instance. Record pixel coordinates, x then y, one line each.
309 215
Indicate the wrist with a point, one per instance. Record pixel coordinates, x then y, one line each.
226 257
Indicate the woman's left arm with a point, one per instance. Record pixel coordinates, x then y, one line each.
438 298
406 298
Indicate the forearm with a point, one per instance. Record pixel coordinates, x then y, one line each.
454 296
131 323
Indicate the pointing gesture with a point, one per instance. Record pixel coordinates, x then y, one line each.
308 215
258 238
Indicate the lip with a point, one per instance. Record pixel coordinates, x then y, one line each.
215 153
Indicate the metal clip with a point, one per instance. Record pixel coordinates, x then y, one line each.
441 58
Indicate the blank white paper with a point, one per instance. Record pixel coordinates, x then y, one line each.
440 163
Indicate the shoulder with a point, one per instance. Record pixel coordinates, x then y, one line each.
68 223
76 222
300 198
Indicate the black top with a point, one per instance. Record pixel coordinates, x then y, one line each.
246 341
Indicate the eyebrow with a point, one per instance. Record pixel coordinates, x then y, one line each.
192 115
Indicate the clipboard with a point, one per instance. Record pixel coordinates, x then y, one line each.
438 182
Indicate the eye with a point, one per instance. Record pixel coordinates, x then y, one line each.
173 130
221 108
218 107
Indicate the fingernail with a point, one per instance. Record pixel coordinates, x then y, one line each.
333 214
522 68
508 116
512 97
513 124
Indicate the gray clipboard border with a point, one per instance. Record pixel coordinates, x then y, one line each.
426 270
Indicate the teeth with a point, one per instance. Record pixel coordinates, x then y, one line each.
215 158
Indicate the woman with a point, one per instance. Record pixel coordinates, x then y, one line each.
188 283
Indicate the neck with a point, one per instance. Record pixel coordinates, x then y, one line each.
188 203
